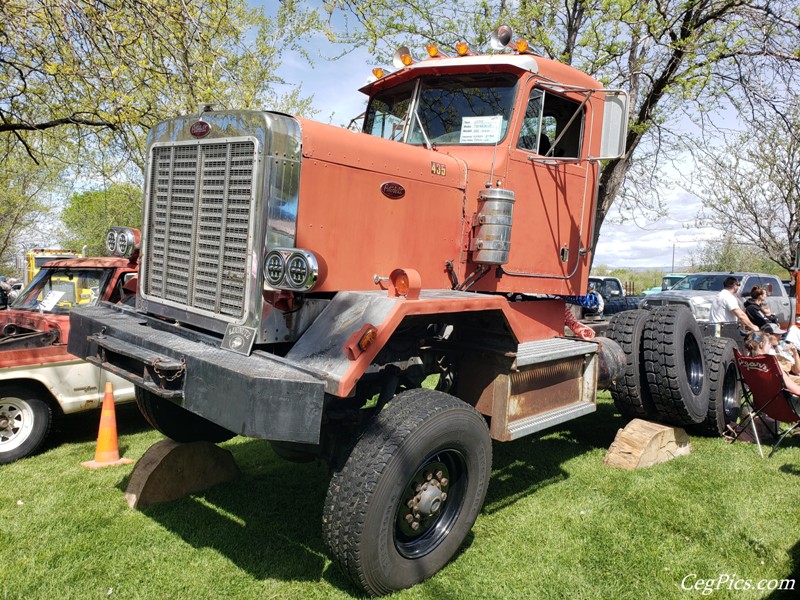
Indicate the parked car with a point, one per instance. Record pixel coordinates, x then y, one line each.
608 288
670 279
39 379
698 290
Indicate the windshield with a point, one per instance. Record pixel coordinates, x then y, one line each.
56 290
462 109
710 283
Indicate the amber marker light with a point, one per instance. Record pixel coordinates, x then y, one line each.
432 50
367 338
521 45
401 283
462 48
360 341
378 72
405 282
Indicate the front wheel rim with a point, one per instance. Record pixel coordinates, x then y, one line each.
431 503
16 423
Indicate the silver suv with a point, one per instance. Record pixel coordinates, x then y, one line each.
698 290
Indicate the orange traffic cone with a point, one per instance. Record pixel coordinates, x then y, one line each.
107 453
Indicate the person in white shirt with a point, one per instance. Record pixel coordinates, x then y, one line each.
725 307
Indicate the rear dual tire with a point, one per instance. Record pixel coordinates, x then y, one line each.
725 390
674 365
664 378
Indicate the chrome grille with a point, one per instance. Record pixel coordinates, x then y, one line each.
199 217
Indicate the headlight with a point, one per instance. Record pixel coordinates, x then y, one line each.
701 307
274 268
291 269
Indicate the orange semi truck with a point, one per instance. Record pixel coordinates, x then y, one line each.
299 282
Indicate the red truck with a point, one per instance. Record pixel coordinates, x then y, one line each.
299 283
39 378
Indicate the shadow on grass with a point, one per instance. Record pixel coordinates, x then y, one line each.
790 579
527 465
268 521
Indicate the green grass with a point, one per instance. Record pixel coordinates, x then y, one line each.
556 524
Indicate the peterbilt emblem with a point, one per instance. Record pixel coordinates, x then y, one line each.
199 129
392 190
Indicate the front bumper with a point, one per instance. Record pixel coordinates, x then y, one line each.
260 395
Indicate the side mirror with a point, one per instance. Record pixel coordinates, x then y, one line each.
614 293
615 125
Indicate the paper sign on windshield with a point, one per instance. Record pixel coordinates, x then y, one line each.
481 130
50 300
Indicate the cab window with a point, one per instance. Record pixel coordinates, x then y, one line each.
552 126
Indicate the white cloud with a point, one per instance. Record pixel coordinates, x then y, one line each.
662 243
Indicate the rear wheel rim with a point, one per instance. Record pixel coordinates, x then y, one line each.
16 423
433 499
730 399
693 362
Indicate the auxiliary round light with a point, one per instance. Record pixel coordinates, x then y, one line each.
124 243
274 268
111 241
462 49
521 46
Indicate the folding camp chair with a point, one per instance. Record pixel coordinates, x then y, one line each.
765 396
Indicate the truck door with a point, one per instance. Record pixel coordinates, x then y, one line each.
553 189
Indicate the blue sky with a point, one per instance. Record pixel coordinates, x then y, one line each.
634 243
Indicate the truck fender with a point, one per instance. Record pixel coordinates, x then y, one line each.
329 345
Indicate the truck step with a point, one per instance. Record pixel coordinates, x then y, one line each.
541 351
523 427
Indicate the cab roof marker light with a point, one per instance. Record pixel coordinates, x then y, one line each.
434 51
462 49
378 73
522 46
402 58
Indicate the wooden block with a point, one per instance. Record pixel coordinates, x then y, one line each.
642 444
170 470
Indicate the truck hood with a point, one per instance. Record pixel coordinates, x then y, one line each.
682 295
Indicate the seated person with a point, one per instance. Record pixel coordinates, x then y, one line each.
761 344
756 309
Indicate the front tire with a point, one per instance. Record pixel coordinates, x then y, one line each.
176 422
24 423
410 491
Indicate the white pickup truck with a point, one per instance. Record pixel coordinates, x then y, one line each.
38 377
698 290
